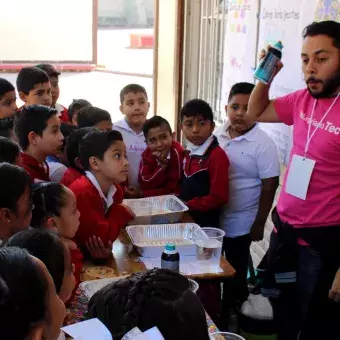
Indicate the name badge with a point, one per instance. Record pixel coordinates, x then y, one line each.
299 175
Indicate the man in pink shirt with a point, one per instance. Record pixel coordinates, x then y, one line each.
309 204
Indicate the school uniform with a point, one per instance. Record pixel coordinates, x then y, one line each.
56 169
204 187
155 180
38 172
70 175
100 215
62 112
135 146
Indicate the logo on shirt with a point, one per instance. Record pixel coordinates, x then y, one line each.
327 126
136 148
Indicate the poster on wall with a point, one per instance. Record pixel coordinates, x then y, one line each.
239 44
285 20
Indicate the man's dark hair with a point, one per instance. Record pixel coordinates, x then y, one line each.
197 107
9 150
49 69
72 145
28 77
76 104
90 116
240 88
95 144
154 122
6 125
135 88
5 87
329 28
14 180
32 118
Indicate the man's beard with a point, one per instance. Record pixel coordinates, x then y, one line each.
330 86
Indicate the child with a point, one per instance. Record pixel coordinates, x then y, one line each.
7 99
9 152
205 184
98 194
55 208
74 108
53 75
15 203
38 131
75 169
51 250
30 307
157 297
161 166
34 86
91 116
57 164
135 107
253 179
7 128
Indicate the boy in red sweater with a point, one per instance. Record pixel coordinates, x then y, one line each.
99 196
161 166
38 130
205 182
75 169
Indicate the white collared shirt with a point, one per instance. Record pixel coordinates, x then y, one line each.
59 109
253 157
199 150
135 146
109 198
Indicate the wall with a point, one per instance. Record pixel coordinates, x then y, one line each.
46 30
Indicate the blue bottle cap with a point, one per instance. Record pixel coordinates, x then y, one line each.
278 46
170 247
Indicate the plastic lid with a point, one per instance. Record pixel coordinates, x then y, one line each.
170 247
278 45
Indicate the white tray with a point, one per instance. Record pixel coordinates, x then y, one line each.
150 240
162 209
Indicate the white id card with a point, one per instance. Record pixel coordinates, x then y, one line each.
299 175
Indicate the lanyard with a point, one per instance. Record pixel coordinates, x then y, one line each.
309 135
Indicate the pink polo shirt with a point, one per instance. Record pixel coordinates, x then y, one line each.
322 204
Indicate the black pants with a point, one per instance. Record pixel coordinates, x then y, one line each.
236 250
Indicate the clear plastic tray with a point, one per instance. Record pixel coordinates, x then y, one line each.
150 240
156 210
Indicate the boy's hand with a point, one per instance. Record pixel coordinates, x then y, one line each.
97 249
334 293
129 210
161 158
132 192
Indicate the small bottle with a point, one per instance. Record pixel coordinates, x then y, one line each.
170 258
267 67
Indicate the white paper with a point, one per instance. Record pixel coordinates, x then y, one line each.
188 265
299 175
151 334
88 330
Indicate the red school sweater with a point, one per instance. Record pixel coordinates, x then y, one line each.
70 176
94 221
155 180
38 171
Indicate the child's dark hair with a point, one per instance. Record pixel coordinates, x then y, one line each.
328 27
76 105
72 146
9 150
14 180
135 88
95 144
47 247
157 297
154 122
240 88
6 126
28 77
66 129
197 107
49 69
90 116
48 198
23 294
5 87
32 118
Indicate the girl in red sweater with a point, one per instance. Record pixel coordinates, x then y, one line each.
55 208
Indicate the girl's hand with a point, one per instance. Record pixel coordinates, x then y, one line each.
97 249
